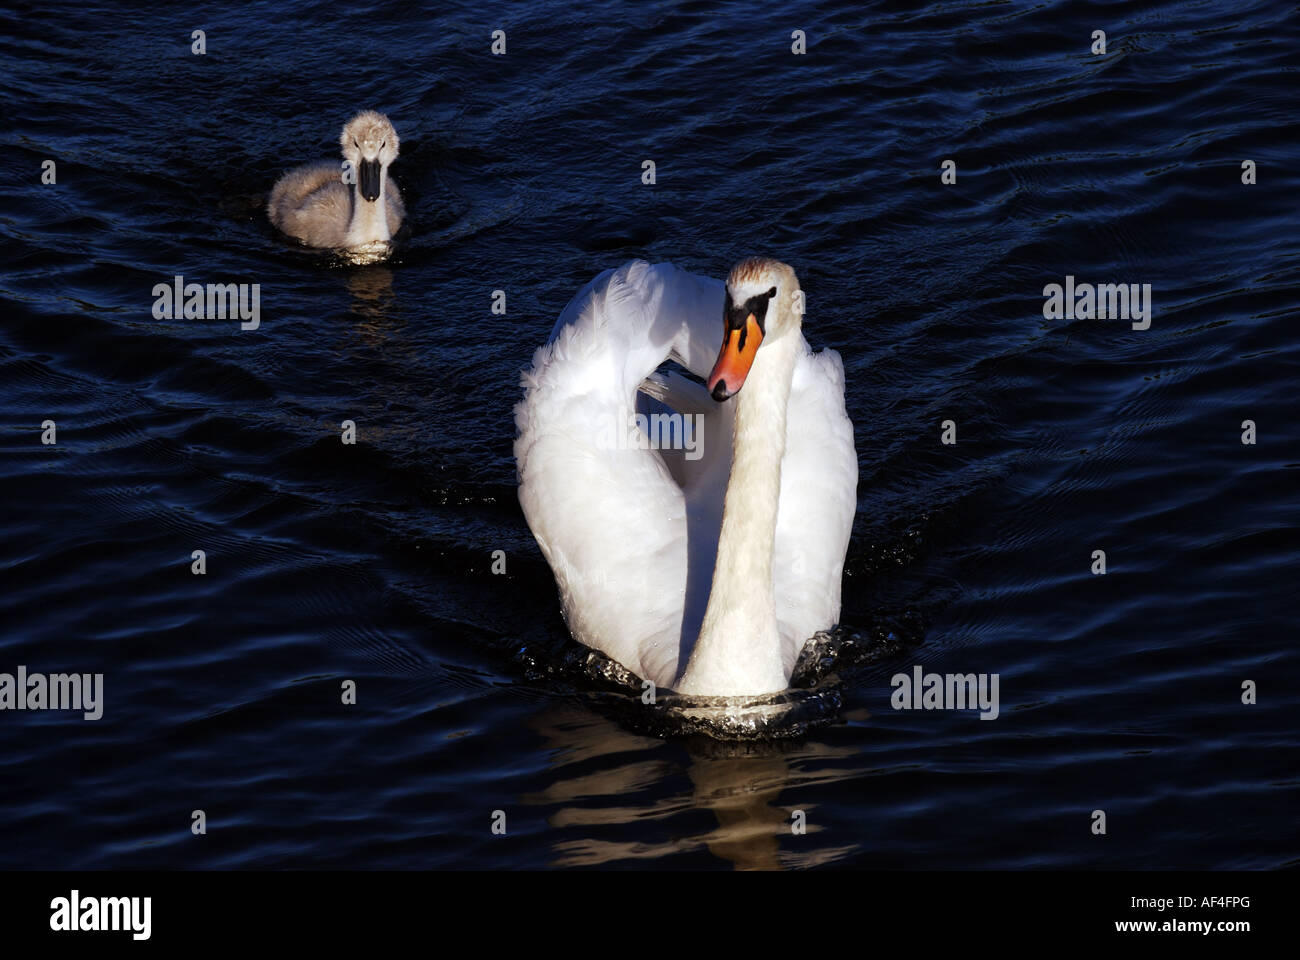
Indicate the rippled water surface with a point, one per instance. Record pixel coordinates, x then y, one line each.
522 173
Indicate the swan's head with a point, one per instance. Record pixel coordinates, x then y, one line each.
761 296
370 144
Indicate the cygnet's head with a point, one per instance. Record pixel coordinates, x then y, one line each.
763 302
370 143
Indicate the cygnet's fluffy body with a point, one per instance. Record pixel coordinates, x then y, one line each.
314 204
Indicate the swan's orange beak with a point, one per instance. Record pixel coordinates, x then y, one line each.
739 345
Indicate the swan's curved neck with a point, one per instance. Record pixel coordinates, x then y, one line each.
369 220
738 651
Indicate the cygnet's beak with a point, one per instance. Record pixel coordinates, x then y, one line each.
370 176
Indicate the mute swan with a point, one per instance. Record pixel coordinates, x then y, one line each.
314 204
702 571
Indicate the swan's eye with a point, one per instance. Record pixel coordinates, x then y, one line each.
772 292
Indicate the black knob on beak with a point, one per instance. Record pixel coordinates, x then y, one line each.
369 180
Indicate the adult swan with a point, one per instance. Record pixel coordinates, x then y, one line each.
706 568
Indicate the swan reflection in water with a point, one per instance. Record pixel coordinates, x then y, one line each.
372 296
740 784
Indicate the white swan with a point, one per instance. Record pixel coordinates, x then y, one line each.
706 575
314 204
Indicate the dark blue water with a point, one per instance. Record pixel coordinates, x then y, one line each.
372 562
